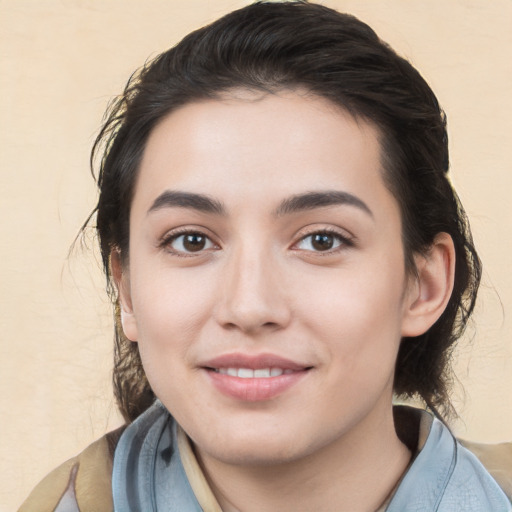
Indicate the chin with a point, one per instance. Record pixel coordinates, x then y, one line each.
257 453
257 447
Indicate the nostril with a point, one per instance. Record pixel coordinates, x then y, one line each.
230 326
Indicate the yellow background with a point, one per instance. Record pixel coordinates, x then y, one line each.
61 61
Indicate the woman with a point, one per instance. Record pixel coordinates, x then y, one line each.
285 252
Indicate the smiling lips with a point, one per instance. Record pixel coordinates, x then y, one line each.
253 378
249 373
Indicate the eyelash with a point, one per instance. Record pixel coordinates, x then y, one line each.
166 242
344 241
168 239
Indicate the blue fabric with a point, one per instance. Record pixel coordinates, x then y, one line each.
148 474
446 477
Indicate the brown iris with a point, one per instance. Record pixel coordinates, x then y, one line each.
322 241
194 242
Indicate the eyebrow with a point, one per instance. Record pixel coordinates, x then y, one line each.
177 199
321 199
293 204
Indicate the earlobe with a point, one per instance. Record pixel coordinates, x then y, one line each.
430 292
121 278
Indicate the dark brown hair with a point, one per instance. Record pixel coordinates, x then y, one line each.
274 46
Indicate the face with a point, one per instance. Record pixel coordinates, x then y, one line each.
266 285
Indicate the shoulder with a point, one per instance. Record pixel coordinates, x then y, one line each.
447 477
82 483
497 460
471 485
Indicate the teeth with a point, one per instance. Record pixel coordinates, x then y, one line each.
249 373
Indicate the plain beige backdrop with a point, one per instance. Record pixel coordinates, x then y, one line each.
61 62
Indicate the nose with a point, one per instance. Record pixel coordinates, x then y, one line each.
253 296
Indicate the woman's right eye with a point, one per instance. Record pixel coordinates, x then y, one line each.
189 243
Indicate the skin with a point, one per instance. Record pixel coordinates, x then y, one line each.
259 285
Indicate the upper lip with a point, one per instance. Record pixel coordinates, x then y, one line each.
254 362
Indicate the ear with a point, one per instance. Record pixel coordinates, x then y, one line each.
429 291
122 282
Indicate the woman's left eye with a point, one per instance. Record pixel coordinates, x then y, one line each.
321 241
189 243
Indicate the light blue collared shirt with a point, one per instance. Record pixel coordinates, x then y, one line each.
148 473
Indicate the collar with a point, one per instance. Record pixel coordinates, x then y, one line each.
195 475
155 469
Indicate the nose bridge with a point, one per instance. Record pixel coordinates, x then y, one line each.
253 294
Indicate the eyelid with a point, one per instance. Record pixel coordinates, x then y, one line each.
171 235
347 239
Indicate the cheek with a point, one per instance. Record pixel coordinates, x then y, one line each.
356 297
359 315
171 308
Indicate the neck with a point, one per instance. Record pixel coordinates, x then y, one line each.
358 471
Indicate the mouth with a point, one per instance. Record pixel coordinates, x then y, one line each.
249 373
254 378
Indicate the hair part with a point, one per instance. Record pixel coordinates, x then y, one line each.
270 47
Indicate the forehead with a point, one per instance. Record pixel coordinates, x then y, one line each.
260 147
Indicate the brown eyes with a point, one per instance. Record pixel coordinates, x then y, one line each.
322 241
194 242
188 243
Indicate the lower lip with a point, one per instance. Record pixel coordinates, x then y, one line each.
254 390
